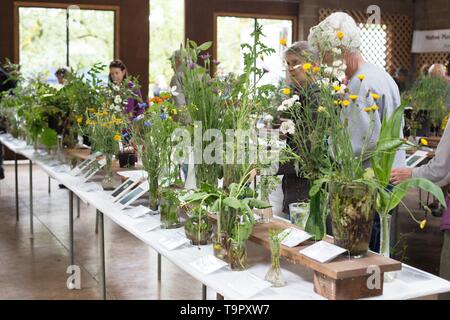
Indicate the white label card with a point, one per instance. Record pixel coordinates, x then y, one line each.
247 284
294 237
148 225
208 264
137 212
322 251
174 241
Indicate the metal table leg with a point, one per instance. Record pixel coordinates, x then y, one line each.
72 254
49 185
159 267
31 198
78 207
17 186
204 292
101 242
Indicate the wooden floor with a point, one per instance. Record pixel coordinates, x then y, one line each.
36 268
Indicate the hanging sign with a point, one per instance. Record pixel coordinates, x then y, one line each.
431 41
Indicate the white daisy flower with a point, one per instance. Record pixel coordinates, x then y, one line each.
118 100
287 127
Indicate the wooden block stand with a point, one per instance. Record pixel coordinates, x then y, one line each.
341 279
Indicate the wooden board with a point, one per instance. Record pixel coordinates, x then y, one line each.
340 268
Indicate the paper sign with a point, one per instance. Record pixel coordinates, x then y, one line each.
137 212
148 225
247 284
208 264
322 251
294 237
174 241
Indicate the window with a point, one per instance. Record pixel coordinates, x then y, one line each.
166 35
234 31
50 38
374 43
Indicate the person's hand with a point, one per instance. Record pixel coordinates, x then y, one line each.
400 174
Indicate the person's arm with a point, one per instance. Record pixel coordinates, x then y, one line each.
439 167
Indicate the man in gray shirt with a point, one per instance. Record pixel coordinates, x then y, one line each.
338 38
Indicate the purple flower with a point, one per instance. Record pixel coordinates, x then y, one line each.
216 62
147 123
142 105
139 117
191 66
125 134
205 56
164 116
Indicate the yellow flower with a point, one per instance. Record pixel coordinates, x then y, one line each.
423 224
345 103
361 77
337 88
286 91
337 102
283 41
174 111
79 119
340 35
368 109
117 137
320 109
316 69
307 66
375 96
353 97
170 118
424 142
374 108
91 109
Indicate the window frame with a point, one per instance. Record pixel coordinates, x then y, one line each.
48 5
294 19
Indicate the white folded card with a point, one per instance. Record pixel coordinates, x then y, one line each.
322 251
90 187
294 238
174 241
247 284
208 264
148 225
133 173
137 212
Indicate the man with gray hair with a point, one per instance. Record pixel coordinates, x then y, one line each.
338 38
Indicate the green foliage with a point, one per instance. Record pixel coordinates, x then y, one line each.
432 95
49 138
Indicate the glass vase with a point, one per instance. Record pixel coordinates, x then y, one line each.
299 213
237 256
352 208
153 192
198 228
274 274
385 243
169 211
59 156
109 181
